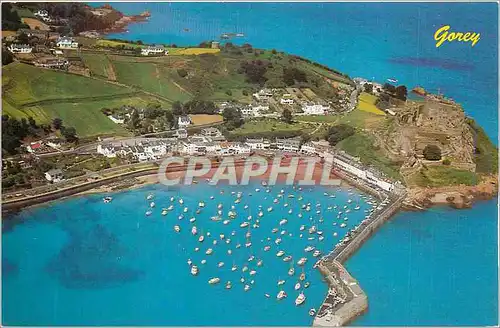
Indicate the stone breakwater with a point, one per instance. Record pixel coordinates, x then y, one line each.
345 299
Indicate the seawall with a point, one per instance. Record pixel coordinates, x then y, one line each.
345 299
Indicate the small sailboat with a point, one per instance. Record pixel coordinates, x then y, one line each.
312 312
148 213
177 228
302 276
194 231
287 258
150 196
316 253
297 286
281 282
281 295
280 253
302 261
291 272
244 224
209 251
300 299
228 285
194 270
201 239
246 288
309 248
107 199
267 248
220 265
214 281
306 284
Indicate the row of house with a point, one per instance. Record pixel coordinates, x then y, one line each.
143 150
154 50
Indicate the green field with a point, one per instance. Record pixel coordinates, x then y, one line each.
26 84
98 64
270 128
367 103
362 146
318 118
438 176
149 77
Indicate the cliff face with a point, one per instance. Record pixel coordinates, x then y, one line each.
454 196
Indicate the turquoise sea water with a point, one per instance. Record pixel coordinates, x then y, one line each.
84 262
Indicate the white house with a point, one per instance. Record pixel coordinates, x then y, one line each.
308 148
116 120
292 144
66 43
211 132
153 50
184 121
20 48
263 95
54 175
258 143
315 109
286 101
181 133
107 150
42 13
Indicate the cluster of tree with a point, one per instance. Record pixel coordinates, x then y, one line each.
232 49
194 107
14 131
7 57
400 92
153 114
69 133
432 153
10 19
291 75
255 71
286 116
232 118
339 132
267 135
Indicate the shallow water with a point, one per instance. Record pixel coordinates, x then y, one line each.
83 262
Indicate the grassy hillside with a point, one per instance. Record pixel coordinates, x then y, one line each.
24 84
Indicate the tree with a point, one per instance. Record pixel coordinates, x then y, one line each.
134 120
169 116
274 52
57 123
368 87
182 72
286 116
229 92
255 71
401 92
23 38
232 118
338 133
177 108
69 134
389 88
292 75
432 153
7 57
446 162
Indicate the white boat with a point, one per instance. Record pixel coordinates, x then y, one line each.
177 228
226 222
192 220
281 295
238 245
335 234
312 229
248 244
251 258
209 251
185 210
242 280
194 270
300 299
196 249
171 207
291 272
214 242
107 199
284 221
349 201
252 272
302 261
343 225
150 196
275 230
201 204
234 268
214 281
267 295
297 286
270 209
246 288
306 285
280 253
316 253
194 231
222 236
244 269
287 258
189 262
259 263
312 312
244 224
320 238
302 227
309 249
203 261
357 207
281 282
302 276
267 248
228 285
277 241
215 218
220 265
201 239
181 201
229 251
148 213
283 233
